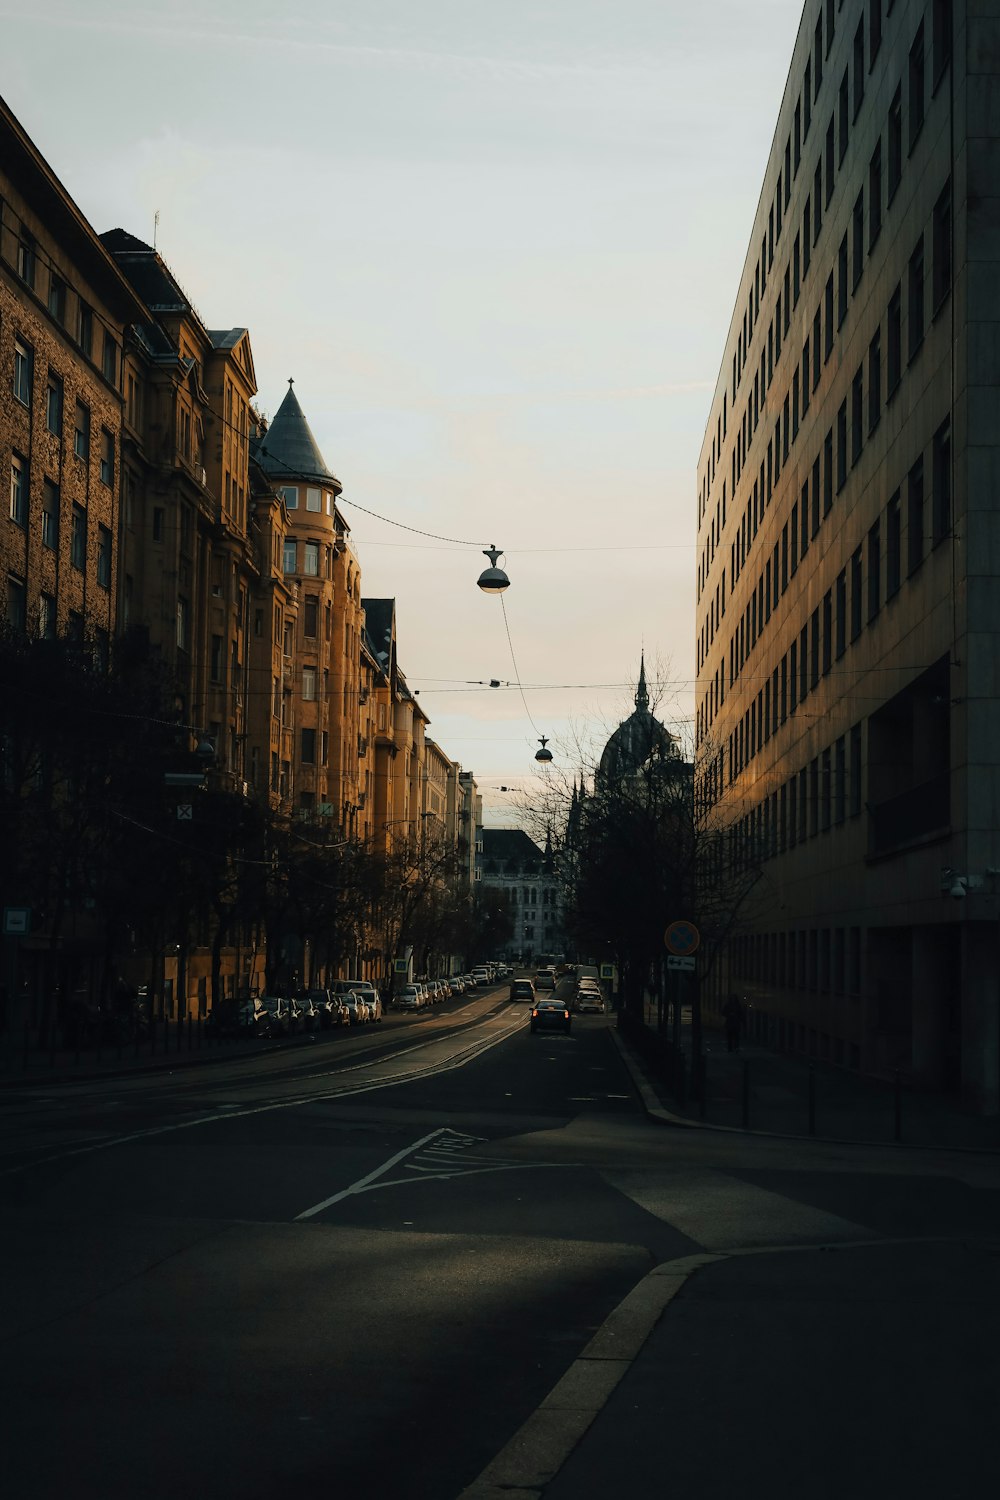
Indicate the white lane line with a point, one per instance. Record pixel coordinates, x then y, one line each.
450 1065
362 1182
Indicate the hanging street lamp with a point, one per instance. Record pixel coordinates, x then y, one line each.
493 580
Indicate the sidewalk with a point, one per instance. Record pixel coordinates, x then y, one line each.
845 1105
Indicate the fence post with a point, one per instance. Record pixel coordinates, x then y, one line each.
897 1088
812 1099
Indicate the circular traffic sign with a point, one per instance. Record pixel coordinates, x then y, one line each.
682 937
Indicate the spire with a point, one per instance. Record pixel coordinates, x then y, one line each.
641 696
288 449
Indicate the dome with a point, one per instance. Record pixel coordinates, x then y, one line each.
639 739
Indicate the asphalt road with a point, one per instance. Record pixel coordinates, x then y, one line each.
363 1263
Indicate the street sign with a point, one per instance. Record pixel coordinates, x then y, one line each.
16 921
607 971
682 937
674 961
400 965
185 812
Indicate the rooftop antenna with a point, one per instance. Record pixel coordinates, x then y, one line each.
156 226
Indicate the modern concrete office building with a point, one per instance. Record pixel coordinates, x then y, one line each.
849 551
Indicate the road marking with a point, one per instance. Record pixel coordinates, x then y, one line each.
449 1065
362 1182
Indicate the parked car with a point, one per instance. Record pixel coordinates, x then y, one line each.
482 977
327 1009
522 989
357 1007
238 1018
283 1015
374 1002
308 1012
367 988
550 1015
411 997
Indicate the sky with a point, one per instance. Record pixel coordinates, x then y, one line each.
497 246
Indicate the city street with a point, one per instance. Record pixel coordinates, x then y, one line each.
363 1264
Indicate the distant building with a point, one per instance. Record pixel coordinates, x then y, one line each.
848 614
512 862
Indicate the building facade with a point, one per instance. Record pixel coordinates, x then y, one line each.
848 615
512 863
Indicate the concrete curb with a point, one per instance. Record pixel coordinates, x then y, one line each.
655 1110
536 1452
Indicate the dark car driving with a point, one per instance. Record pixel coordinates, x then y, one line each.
550 1015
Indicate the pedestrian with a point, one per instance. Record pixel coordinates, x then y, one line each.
734 1018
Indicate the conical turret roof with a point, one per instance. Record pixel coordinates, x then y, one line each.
288 449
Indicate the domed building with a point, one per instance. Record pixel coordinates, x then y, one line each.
639 742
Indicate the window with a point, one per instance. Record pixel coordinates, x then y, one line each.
85 326
807 100
915 94
841 643
859 236
788 170
915 300
941 248
50 515
109 358
798 135
289 556
818 200
805 377
828 301
894 343
107 457
941 39
81 432
817 341
57 298
78 539
17 605
54 404
842 282
830 21
874 571
290 495
828 631
915 517
895 143
857 414
309 684
826 779
855 804
47 617
310 565
18 490
857 599
893 546
104 557
829 161
23 362
875 381
844 107
806 237
310 617
308 747
26 259
814 643
818 53
875 194
842 446
874 29
941 481
159 518
797 268
859 67
314 500
133 401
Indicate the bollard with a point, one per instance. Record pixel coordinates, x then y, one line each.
746 1094
812 1099
897 1088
